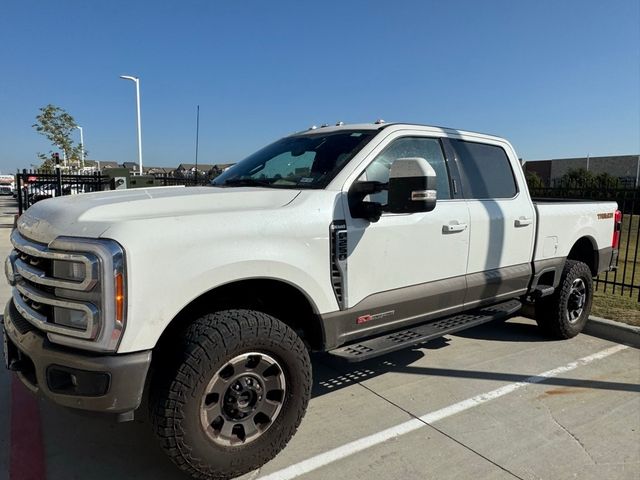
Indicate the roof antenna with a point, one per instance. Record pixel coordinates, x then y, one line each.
379 121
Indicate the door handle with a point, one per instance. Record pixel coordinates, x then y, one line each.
453 228
523 222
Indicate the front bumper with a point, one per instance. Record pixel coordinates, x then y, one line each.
71 378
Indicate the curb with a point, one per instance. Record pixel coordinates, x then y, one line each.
613 331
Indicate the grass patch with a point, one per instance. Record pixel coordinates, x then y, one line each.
615 306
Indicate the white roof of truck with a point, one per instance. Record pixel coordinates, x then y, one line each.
383 125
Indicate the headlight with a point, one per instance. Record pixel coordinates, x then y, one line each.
108 295
69 270
70 318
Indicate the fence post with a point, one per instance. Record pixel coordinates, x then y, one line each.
19 187
58 178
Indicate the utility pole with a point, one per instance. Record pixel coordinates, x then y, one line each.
197 139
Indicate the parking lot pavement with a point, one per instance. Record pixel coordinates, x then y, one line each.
8 208
498 401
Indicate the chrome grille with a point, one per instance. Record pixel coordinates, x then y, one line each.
40 293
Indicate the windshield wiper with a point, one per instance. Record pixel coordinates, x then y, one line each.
245 182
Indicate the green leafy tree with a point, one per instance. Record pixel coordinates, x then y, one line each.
578 176
606 180
534 180
581 178
57 126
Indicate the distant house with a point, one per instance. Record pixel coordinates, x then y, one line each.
223 166
100 164
189 169
131 166
160 170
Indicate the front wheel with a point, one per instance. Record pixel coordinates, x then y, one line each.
565 313
233 395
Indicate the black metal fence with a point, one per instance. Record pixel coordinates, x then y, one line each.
626 279
166 179
35 185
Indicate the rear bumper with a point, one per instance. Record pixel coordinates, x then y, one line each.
98 383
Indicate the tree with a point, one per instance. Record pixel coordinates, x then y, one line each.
581 178
533 180
57 125
606 180
577 178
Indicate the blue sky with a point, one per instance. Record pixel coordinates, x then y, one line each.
558 78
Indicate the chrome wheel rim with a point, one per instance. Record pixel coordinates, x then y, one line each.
577 300
243 399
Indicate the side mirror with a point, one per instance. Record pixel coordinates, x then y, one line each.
412 186
359 208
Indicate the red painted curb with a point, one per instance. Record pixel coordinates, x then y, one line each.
26 455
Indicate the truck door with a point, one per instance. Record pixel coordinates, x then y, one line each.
406 266
502 221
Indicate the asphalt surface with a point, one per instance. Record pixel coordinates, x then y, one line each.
498 401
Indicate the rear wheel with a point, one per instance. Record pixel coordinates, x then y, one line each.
565 313
233 394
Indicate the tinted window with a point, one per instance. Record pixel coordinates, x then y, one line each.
427 148
486 170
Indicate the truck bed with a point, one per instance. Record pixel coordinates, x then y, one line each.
561 222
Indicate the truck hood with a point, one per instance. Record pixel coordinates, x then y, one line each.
91 214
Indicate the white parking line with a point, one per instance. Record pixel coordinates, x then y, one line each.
361 444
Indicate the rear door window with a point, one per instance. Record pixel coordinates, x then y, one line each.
485 169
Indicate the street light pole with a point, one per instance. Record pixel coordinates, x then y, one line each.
197 138
136 80
81 147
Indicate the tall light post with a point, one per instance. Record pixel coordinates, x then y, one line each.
136 80
81 147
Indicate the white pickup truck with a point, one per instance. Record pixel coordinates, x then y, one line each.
352 239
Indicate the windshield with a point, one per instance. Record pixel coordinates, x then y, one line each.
302 161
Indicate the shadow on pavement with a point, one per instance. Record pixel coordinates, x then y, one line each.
505 331
345 374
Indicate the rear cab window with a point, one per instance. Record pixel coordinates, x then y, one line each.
485 170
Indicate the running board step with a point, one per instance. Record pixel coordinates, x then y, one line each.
384 344
543 291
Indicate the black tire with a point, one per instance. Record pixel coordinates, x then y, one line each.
561 315
204 352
